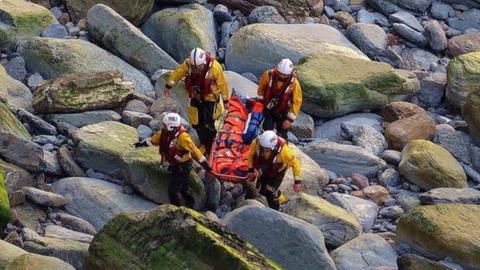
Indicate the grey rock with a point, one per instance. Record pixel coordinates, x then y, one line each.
458 143
144 132
383 6
408 19
136 105
13 92
365 211
35 80
28 155
476 157
409 34
221 14
432 89
267 44
55 30
414 5
303 126
392 157
344 159
224 34
41 55
16 177
242 85
441 11
436 36
365 16
392 212
371 39
57 12
69 165
471 173
85 118
123 38
418 59
44 198
466 20
407 199
290 236
54 231
74 31
136 119
329 12
368 251
450 195
37 123
390 177
76 223
332 130
97 201
16 68
265 14
369 139
197 30
46 139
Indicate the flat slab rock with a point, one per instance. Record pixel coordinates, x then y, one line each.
451 195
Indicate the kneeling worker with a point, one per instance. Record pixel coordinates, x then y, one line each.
206 86
271 156
177 148
281 94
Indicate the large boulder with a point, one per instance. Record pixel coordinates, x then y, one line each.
334 85
344 159
450 195
4 202
242 85
122 38
463 44
258 47
368 251
366 211
179 30
368 37
334 129
314 176
76 56
82 92
337 225
445 230
471 114
463 73
28 155
13 257
410 261
97 201
21 19
13 92
135 11
287 243
182 238
10 124
429 166
417 127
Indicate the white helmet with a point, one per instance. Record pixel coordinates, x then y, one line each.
198 57
171 121
269 139
285 66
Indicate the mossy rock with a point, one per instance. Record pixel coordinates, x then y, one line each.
463 77
445 230
471 114
170 237
10 124
4 202
335 85
13 92
22 19
431 166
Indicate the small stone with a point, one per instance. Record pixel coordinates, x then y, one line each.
221 14
359 180
74 31
410 34
15 67
436 36
441 11
44 198
390 202
344 18
144 132
392 212
266 14
57 12
390 177
345 187
392 157
17 198
136 105
376 193
136 119
45 139
64 19
55 30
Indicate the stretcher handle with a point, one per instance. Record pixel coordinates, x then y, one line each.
230 178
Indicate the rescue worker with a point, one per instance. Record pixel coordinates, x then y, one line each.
281 94
271 156
177 148
206 85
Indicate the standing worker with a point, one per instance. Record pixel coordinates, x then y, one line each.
271 156
206 87
177 148
281 94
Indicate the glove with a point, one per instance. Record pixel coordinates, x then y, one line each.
205 166
297 186
141 144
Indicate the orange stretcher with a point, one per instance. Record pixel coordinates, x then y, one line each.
229 153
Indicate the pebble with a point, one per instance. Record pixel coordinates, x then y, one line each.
392 212
345 187
390 202
15 67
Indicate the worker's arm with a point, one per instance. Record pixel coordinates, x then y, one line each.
221 84
251 153
155 139
187 144
180 72
262 85
291 160
296 101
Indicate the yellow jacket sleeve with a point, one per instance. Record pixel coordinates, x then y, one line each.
180 72
296 101
289 158
220 86
263 84
186 143
155 139
252 152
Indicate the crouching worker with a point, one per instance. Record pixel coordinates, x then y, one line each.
207 89
177 148
271 156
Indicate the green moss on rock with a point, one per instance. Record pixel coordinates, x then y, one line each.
471 114
445 230
170 237
463 77
334 85
4 202
10 124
